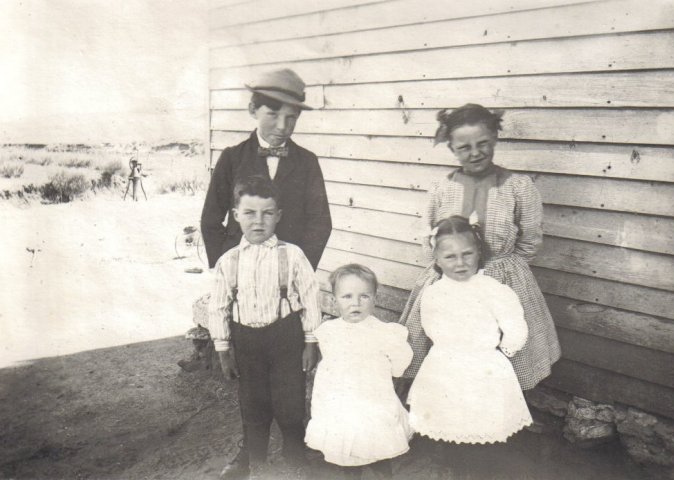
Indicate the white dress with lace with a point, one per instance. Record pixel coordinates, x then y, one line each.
356 417
466 390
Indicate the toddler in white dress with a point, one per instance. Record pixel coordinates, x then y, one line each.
356 417
466 390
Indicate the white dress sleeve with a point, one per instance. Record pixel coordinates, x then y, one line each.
397 348
510 317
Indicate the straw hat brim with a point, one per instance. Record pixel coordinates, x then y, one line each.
280 96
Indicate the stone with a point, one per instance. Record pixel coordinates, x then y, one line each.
548 400
648 439
588 423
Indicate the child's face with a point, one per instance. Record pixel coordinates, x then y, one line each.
276 126
258 217
473 146
457 256
355 298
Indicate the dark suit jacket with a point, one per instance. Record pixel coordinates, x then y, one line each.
305 221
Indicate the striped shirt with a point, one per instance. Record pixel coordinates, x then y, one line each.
259 292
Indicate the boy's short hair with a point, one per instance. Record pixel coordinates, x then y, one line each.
256 186
258 99
360 271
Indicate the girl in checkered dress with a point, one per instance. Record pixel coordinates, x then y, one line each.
509 210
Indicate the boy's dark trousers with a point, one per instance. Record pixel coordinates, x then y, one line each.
271 386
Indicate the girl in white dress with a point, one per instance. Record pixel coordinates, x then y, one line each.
356 417
466 390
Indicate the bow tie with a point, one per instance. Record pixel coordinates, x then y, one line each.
272 152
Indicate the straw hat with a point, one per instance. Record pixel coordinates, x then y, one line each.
283 85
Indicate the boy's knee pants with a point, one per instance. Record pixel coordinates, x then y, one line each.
271 384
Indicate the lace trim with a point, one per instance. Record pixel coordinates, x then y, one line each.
438 435
508 353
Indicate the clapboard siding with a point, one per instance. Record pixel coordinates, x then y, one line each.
260 10
581 125
651 50
561 254
584 19
625 161
606 386
655 234
587 89
634 196
363 18
602 89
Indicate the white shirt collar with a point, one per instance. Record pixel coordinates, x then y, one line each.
263 143
270 242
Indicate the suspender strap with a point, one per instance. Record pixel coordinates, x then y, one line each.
283 276
233 278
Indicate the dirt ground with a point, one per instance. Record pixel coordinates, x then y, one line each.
90 323
129 412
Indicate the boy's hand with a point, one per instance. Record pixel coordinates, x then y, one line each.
228 364
309 356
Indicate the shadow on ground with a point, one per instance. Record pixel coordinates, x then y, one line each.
130 413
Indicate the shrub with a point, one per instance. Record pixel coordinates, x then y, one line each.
63 187
184 186
43 162
110 170
9 170
75 163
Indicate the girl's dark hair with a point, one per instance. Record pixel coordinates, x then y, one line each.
258 99
457 224
360 271
469 114
256 186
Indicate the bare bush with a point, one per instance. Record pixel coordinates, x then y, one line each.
43 162
9 170
75 163
110 170
64 187
185 186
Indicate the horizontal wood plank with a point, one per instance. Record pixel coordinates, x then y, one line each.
615 294
571 285
583 19
639 232
408 202
391 273
589 318
258 11
604 386
601 194
635 51
578 125
559 254
635 362
603 160
607 262
603 89
620 325
366 17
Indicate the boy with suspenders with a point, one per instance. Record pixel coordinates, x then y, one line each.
263 310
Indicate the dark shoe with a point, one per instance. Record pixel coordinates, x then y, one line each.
236 470
239 467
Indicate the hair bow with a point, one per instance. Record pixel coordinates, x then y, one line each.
432 240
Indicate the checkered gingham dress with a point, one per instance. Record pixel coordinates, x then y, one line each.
512 233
